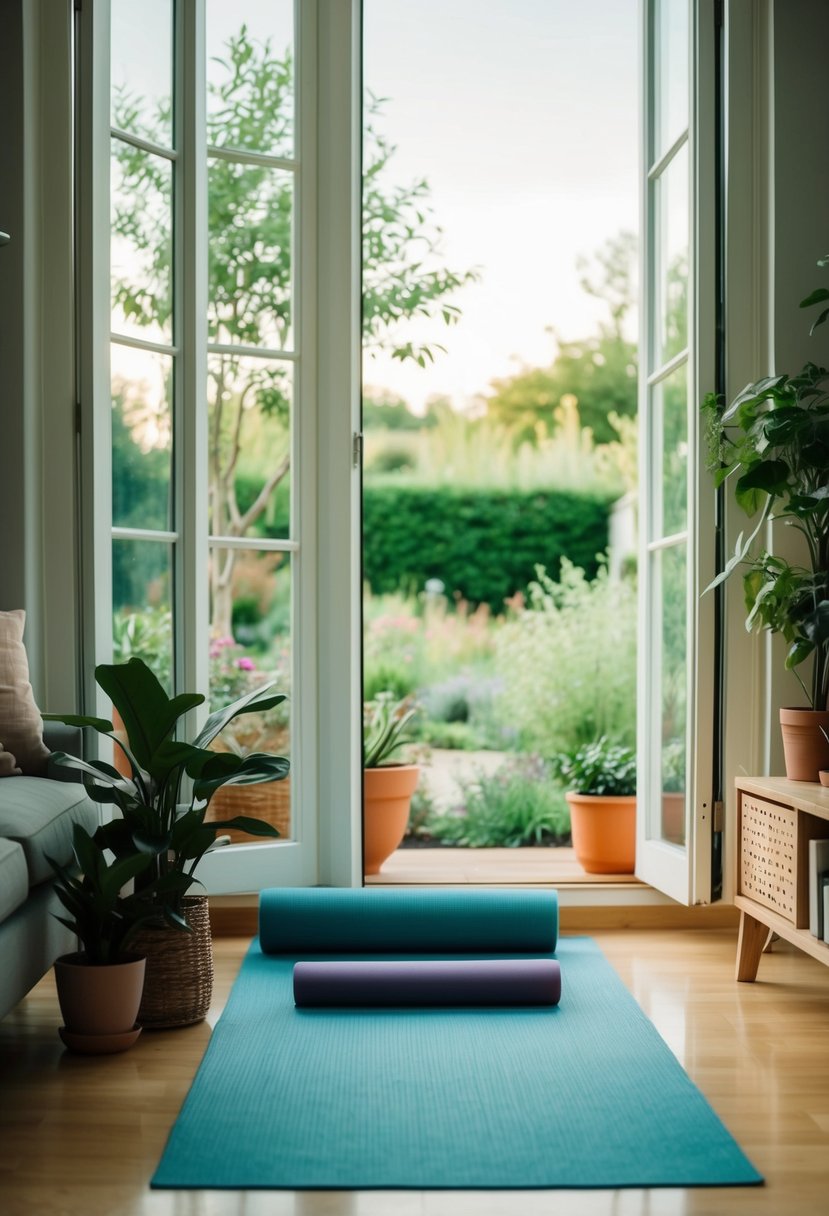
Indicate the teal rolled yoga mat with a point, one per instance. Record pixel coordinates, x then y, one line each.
328 920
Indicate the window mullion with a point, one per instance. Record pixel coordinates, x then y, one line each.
190 335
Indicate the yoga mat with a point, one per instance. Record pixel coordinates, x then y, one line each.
435 983
582 1094
330 920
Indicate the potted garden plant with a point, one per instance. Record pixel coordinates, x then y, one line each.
388 785
162 813
772 444
100 985
600 784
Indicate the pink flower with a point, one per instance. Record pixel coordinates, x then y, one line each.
246 664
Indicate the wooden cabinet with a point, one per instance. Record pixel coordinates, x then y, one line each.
776 819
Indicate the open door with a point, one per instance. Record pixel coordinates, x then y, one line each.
676 653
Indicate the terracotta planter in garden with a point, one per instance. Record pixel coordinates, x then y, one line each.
387 796
604 832
805 747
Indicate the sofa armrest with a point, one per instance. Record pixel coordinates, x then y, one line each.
59 737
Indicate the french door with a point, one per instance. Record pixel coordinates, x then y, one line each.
219 384
676 693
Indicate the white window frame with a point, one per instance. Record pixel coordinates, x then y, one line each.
326 725
681 871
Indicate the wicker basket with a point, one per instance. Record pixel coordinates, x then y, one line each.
268 800
179 979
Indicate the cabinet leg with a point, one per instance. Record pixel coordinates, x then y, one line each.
750 943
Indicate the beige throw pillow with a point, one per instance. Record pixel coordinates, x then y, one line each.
21 726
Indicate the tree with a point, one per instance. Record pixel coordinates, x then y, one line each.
250 272
600 370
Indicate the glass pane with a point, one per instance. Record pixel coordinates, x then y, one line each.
142 441
142 68
249 403
672 609
250 266
671 259
250 75
250 615
671 48
141 248
671 406
142 581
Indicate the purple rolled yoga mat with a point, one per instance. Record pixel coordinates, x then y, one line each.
529 981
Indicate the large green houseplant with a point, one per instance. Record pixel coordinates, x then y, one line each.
162 804
771 443
162 809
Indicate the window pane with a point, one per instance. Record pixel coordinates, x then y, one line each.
251 646
142 579
141 249
142 395
250 76
671 259
249 403
249 215
142 68
671 405
671 47
672 582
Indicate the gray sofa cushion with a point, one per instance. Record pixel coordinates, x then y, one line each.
14 878
40 815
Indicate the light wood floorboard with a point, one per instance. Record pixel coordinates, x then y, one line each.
81 1136
484 867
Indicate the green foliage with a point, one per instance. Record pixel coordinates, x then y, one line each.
483 545
600 370
157 816
391 413
772 443
385 720
517 806
568 662
453 736
102 918
601 768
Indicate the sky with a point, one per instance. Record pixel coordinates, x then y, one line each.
523 116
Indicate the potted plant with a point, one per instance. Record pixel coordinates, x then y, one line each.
162 807
772 442
100 985
600 785
388 785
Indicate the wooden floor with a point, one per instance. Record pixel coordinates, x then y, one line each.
81 1136
487 867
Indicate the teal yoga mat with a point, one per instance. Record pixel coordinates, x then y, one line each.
584 1094
399 921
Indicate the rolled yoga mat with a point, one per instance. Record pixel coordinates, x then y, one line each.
331 920
479 982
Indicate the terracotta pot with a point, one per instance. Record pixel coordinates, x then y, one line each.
805 747
99 999
604 832
387 796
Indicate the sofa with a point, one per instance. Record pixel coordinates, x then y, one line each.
40 803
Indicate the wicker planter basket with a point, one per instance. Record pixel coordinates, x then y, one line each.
268 800
179 978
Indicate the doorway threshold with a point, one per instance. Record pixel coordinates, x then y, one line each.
491 867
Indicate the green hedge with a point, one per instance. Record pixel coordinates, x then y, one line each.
483 545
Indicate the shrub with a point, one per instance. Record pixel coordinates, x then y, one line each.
518 805
600 768
483 545
568 662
